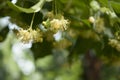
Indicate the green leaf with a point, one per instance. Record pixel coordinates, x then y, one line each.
87 23
3 33
104 3
42 49
115 6
37 7
20 9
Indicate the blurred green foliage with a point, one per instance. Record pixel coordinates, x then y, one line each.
88 50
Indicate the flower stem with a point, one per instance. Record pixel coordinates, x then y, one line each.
54 6
31 24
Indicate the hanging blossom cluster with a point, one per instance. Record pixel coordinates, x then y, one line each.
56 22
53 23
30 35
115 44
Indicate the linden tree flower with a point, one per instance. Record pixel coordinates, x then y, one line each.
30 35
59 24
55 23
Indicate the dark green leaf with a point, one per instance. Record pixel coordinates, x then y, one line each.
104 3
41 49
3 33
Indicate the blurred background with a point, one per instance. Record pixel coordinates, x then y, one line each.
88 50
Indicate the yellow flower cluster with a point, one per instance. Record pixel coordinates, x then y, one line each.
99 25
30 35
55 24
115 44
59 24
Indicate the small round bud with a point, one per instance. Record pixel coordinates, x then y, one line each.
91 19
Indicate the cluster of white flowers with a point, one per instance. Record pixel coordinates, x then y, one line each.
115 44
56 22
53 24
30 35
59 24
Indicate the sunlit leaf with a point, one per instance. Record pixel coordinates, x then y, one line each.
115 6
37 7
20 9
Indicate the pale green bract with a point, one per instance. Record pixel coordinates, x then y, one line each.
35 8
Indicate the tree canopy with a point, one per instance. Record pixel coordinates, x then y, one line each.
59 39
